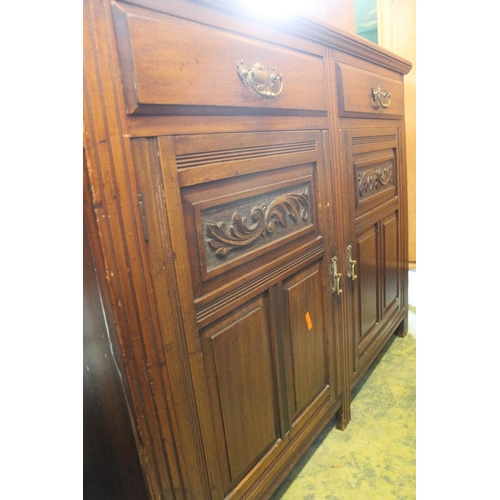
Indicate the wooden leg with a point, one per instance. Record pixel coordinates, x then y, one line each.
343 416
402 329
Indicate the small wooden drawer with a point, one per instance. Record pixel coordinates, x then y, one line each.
172 65
363 91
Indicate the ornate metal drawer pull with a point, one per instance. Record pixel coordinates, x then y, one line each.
381 97
265 83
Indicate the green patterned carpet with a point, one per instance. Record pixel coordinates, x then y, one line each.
375 457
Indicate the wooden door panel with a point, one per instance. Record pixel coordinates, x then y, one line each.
378 281
391 261
242 380
304 302
367 281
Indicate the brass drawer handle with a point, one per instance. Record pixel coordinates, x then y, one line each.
263 82
381 97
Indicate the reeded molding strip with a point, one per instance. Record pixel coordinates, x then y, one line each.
370 139
206 158
262 282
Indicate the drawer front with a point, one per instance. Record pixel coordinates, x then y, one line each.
362 91
175 66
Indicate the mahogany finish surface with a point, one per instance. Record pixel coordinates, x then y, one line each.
222 214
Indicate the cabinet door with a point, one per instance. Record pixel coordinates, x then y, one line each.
375 284
251 214
305 323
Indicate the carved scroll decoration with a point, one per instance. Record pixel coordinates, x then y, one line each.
372 180
243 232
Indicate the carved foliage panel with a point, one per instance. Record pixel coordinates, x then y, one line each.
254 222
233 222
374 178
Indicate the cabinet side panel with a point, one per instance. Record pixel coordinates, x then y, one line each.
111 467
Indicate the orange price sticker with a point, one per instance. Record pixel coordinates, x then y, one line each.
308 321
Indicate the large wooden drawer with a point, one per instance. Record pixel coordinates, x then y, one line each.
368 91
172 65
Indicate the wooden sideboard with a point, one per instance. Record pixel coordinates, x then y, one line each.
245 241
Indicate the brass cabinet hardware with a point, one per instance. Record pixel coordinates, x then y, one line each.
337 277
381 97
263 82
351 264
